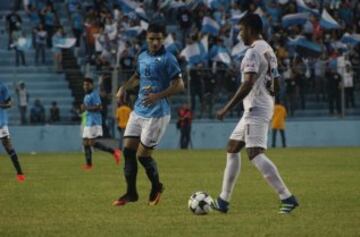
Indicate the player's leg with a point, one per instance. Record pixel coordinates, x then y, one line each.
88 153
256 143
274 131
97 131
283 138
14 158
131 140
153 130
232 168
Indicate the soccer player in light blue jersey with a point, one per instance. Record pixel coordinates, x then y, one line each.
93 128
159 75
5 103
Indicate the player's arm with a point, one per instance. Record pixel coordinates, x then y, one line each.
176 86
95 108
241 93
130 84
6 104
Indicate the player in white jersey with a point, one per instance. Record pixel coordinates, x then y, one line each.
259 74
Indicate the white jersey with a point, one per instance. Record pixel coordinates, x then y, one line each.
259 103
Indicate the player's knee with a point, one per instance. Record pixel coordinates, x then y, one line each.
254 151
234 146
143 151
129 153
7 144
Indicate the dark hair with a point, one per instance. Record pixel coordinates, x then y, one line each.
156 28
88 79
252 21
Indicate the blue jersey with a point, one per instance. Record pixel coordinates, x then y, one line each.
4 98
92 118
155 72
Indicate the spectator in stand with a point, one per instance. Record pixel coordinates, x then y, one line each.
349 86
54 113
184 125
50 20
319 69
58 37
75 113
77 24
40 43
35 20
333 88
290 84
37 113
18 45
299 70
13 23
127 64
197 87
23 101
185 20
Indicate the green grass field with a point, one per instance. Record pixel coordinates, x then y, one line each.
60 199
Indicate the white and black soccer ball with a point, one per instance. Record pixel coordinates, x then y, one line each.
200 203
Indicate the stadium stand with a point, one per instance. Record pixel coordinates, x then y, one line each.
119 27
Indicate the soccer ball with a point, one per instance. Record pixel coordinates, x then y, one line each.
200 203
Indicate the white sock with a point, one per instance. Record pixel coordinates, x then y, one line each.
271 175
232 171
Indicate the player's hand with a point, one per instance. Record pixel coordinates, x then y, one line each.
82 108
150 99
121 95
220 114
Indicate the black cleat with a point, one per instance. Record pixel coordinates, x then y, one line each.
288 205
125 199
155 194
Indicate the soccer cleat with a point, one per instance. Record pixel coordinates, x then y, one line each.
20 178
125 199
220 205
87 167
117 156
288 205
155 194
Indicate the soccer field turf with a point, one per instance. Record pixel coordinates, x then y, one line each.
60 199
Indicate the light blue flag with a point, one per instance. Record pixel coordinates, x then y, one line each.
305 47
352 39
132 32
128 6
302 7
170 45
24 44
238 51
222 55
235 18
65 43
210 26
204 48
327 22
294 19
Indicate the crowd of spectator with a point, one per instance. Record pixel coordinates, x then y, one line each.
113 36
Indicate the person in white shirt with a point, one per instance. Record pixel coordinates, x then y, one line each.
23 100
349 86
259 74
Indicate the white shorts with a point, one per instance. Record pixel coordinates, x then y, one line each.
92 132
4 132
149 130
254 134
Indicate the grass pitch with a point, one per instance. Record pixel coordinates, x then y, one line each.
60 199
